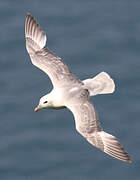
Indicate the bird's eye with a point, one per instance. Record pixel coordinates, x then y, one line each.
45 102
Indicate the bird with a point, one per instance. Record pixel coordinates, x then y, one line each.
72 93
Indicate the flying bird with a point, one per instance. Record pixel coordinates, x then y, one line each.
72 93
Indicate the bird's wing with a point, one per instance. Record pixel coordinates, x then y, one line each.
87 124
43 58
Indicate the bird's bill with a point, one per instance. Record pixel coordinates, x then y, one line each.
37 108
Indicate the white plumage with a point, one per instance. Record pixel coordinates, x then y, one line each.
68 91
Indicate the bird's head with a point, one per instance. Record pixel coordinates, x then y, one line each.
44 102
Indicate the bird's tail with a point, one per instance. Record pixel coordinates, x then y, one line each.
100 84
35 36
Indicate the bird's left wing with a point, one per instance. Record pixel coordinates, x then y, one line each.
87 124
43 58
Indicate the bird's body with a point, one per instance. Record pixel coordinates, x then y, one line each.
72 93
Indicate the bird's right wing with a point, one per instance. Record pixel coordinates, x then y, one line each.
87 124
43 58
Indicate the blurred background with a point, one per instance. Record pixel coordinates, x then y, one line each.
90 36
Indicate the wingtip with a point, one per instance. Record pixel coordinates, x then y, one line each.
113 148
34 32
28 14
129 161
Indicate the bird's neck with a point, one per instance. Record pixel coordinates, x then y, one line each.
55 98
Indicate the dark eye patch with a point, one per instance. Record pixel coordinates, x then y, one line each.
45 102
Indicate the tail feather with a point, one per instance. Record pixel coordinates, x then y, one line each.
100 84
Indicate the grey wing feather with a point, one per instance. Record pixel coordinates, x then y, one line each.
87 124
85 118
43 58
35 36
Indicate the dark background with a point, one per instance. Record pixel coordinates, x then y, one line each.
90 36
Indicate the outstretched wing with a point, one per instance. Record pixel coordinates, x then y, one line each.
43 58
87 124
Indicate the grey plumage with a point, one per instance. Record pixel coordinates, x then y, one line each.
43 58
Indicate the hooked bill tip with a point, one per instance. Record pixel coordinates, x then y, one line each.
35 109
